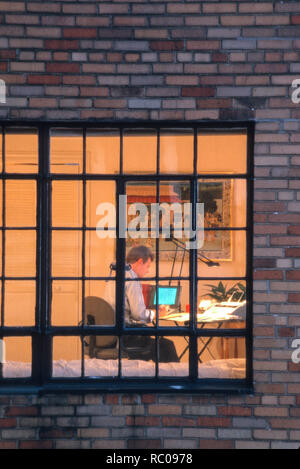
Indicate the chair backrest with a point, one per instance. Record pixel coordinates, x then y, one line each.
100 312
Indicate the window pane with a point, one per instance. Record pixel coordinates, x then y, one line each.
140 197
66 253
21 151
67 203
222 357
225 254
138 355
20 253
100 300
66 151
20 203
101 356
19 303
102 151
224 202
173 356
101 204
176 151
139 151
221 304
66 303
1 146
222 152
100 254
18 355
66 355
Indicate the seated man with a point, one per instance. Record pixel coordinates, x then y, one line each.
139 260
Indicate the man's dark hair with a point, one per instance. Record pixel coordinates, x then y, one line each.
139 252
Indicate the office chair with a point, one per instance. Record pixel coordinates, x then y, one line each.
100 312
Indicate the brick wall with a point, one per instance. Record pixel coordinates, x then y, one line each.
184 60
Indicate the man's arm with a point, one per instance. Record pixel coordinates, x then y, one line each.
136 303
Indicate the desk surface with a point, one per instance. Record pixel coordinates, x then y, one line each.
201 317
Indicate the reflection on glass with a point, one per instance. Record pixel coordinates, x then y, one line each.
18 356
99 255
67 203
222 357
20 203
139 151
101 204
227 249
173 356
222 152
102 151
66 253
100 308
221 304
66 303
176 151
138 356
19 303
224 202
21 151
66 151
20 253
66 356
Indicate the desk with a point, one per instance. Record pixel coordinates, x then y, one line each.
207 317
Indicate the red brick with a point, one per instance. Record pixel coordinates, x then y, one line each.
293 275
197 91
213 422
55 67
21 410
264 263
216 444
178 422
166 45
295 19
143 421
218 57
286 332
268 275
142 444
36 444
148 398
43 80
292 252
213 103
8 423
294 230
235 411
8 444
8 54
80 33
61 44
294 297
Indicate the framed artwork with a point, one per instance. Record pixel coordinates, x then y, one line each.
217 198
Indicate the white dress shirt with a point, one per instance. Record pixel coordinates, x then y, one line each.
135 308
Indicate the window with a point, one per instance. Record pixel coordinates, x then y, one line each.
126 256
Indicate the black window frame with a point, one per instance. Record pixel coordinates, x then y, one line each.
42 333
